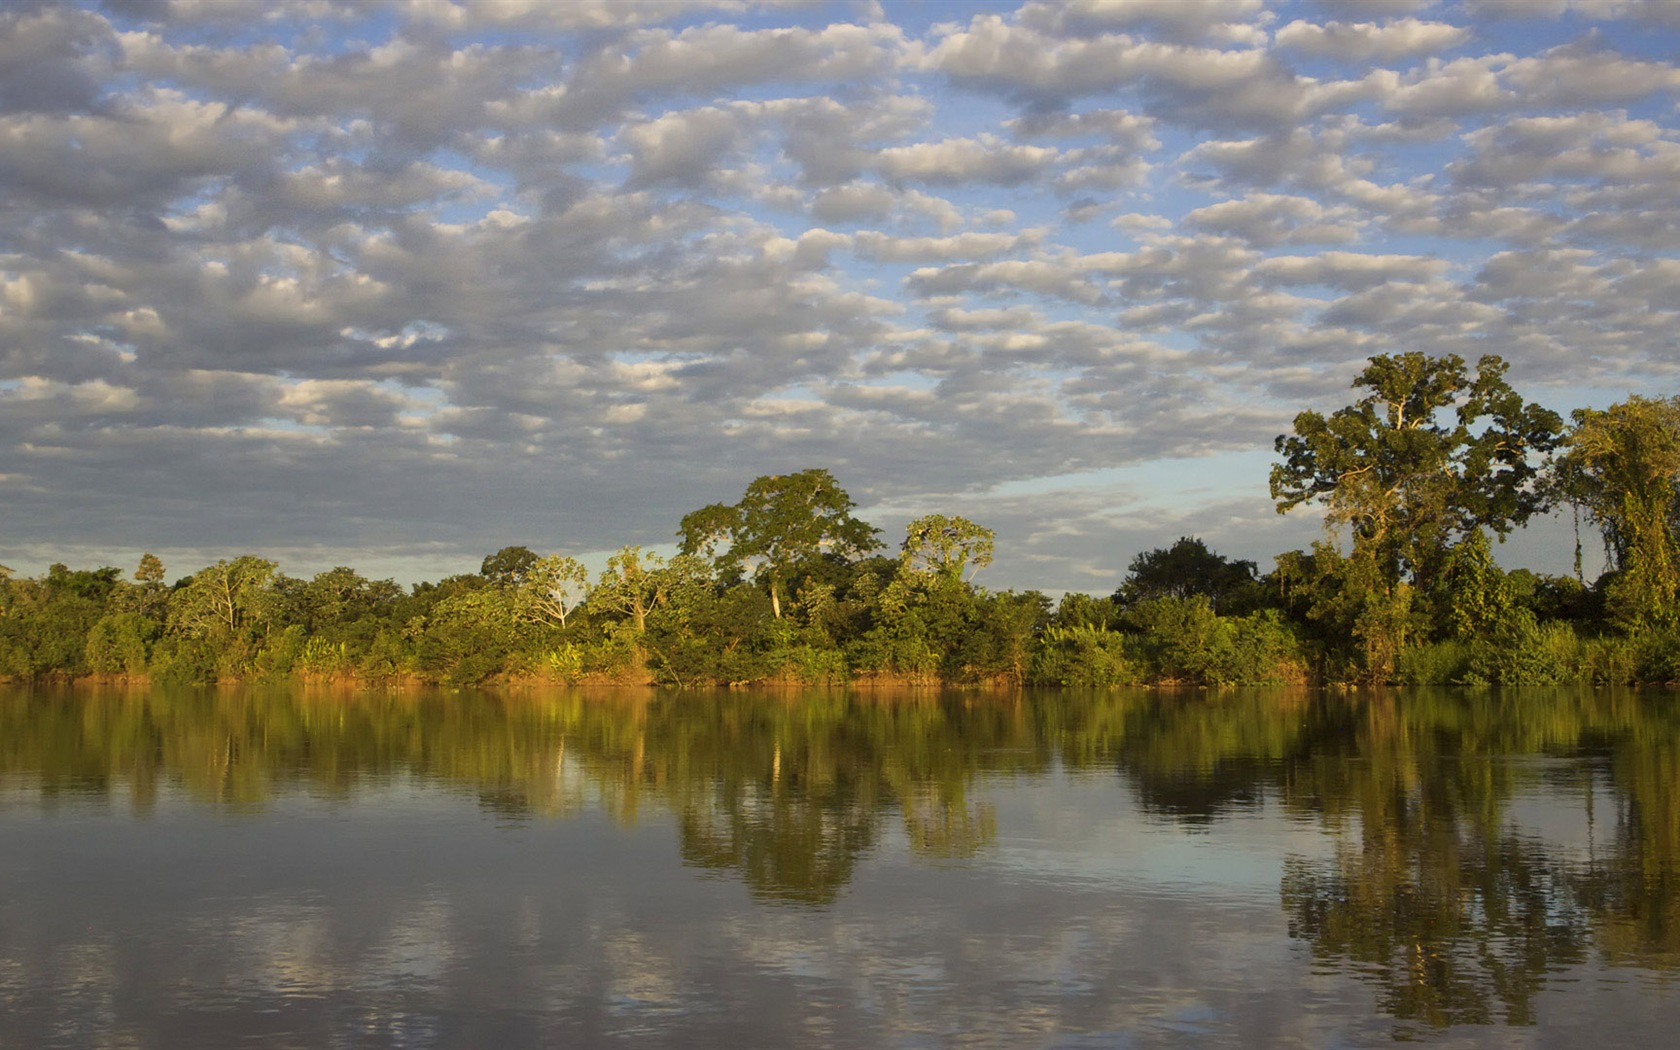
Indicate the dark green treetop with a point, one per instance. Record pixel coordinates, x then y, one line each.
1184 570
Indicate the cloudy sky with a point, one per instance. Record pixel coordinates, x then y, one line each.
394 285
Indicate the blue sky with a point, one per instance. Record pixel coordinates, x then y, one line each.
394 285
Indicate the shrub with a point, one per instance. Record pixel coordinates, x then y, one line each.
121 643
1439 663
1082 655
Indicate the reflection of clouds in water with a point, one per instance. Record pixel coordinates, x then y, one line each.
788 944
418 948
278 948
379 1024
646 986
527 923
85 989
406 915
365 967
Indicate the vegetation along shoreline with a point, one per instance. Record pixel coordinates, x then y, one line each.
786 586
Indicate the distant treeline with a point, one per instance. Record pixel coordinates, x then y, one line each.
785 585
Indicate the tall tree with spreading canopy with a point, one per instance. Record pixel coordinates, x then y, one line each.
782 522
552 590
1622 465
227 598
946 547
1428 454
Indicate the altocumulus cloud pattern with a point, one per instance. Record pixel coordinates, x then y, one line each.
395 284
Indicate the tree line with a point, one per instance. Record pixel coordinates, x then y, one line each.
1433 461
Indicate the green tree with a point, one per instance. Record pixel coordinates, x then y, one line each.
148 595
1623 466
1430 453
782 522
552 590
1478 600
1187 569
469 635
509 566
635 587
150 569
951 547
226 597
219 618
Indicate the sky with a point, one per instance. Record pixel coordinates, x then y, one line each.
394 285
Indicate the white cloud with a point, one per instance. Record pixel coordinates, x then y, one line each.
1270 219
954 161
366 270
1384 42
1227 21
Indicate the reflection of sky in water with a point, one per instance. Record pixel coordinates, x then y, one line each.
407 913
1059 834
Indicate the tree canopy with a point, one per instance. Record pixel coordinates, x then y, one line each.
1184 570
1622 465
1429 453
780 523
946 546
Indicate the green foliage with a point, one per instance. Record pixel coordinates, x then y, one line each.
1268 651
469 636
1555 597
997 636
388 655
1426 604
1082 655
508 567
1658 656
1434 663
150 569
1359 622
283 653
951 547
1429 454
781 523
1623 466
1520 652
1185 570
1184 640
1082 610
1476 596
321 658
551 589
121 643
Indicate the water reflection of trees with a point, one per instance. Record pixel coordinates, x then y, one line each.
1433 891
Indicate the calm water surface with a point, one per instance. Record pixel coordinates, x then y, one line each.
318 869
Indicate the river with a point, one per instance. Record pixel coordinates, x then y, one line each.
286 867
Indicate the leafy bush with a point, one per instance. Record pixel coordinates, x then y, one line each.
1182 639
1658 657
1082 655
1520 652
1266 650
1438 663
121 643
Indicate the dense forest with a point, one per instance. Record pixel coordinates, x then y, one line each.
1432 462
